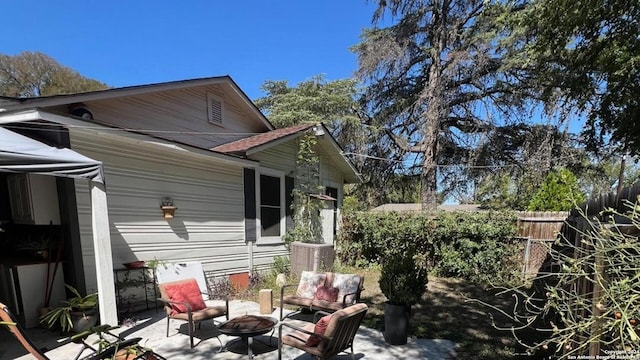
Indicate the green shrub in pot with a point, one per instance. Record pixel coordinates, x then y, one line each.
76 307
402 281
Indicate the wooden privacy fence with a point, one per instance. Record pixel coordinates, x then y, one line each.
595 205
538 229
578 223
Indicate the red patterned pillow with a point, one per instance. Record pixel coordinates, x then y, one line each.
320 328
326 293
188 292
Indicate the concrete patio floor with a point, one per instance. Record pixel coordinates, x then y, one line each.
151 327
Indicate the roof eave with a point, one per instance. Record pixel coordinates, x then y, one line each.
36 114
351 174
55 100
275 142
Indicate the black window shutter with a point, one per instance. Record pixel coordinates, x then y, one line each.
289 183
250 204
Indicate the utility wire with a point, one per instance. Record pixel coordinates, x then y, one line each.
107 128
447 165
55 128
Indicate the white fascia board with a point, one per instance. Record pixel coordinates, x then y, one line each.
333 144
117 92
251 105
120 134
19 116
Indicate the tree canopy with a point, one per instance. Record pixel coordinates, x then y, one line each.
559 192
513 163
335 104
316 100
586 55
443 97
31 74
435 82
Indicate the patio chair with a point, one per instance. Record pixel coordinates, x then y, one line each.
329 336
107 352
183 301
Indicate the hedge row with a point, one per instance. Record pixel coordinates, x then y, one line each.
476 246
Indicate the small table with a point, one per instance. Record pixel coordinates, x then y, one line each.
141 278
248 326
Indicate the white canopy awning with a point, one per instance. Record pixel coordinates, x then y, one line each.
21 154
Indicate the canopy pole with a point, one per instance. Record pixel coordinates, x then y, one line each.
102 253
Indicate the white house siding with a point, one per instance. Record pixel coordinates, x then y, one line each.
330 175
179 115
282 157
209 222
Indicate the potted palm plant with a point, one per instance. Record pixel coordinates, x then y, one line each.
403 283
78 313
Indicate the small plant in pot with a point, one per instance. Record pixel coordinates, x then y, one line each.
40 248
111 346
403 282
77 314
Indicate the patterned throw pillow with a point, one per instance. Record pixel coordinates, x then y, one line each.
346 284
326 293
309 282
320 329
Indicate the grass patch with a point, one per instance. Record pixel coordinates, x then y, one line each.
443 313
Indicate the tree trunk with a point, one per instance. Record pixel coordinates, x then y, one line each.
435 99
621 177
428 182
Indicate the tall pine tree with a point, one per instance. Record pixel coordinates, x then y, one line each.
436 80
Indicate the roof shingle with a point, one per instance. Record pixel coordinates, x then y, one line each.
243 145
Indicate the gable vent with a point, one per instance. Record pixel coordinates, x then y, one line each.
214 108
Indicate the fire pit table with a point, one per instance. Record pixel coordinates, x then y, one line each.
247 327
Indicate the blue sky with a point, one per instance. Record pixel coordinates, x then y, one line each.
125 42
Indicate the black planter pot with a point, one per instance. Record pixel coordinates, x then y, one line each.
83 320
396 323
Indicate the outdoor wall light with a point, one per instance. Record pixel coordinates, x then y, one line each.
168 209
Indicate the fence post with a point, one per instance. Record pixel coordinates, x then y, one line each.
594 346
527 254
